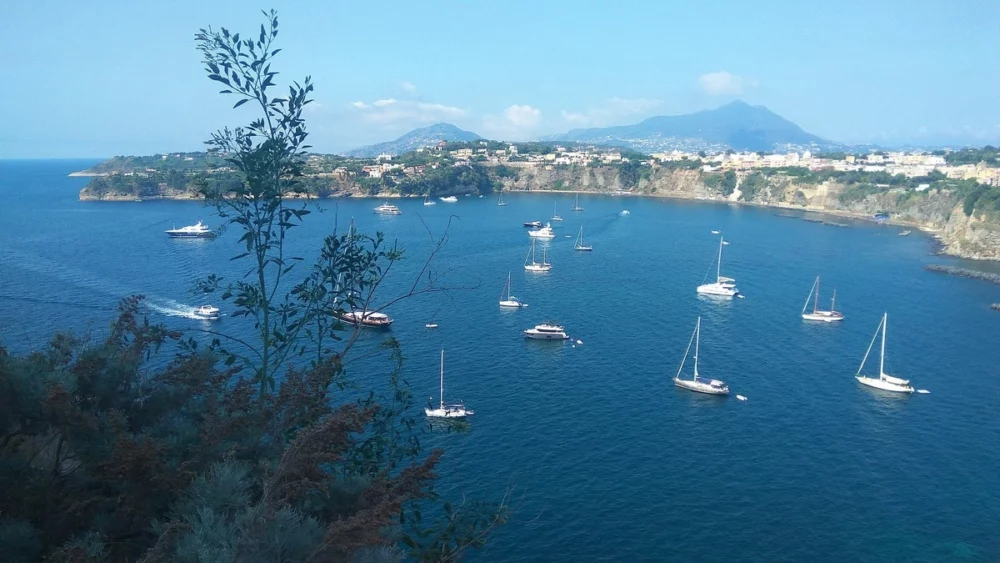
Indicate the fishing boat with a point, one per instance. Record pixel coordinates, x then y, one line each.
198 230
388 209
533 266
697 383
546 331
449 199
579 243
555 216
508 300
722 286
455 410
884 381
500 201
533 224
576 204
817 314
207 313
429 201
545 232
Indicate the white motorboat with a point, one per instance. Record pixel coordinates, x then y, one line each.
429 201
624 213
546 331
388 209
500 200
455 410
508 300
545 232
555 216
535 224
532 266
208 313
818 314
198 230
579 243
722 286
449 199
576 204
697 383
884 381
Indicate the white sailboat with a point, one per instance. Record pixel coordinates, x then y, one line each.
576 204
509 300
555 216
428 200
817 314
456 410
500 201
722 286
884 381
697 383
579 243
533 266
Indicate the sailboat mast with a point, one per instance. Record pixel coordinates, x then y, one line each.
816 298
508 285
718 266
833 301
881 361
697 341
442 380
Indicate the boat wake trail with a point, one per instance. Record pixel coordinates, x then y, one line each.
171 308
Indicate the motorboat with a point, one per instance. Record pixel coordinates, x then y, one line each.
697 383
579 243
722 286
429 201
369 319
533 266
884 381
535 224
508 300
818 314
455 410
545 232
449 199
207 312
388 209
546 331
624 213
198 230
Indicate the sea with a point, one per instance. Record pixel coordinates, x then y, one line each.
603 457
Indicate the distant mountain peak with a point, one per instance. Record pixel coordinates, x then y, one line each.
422 137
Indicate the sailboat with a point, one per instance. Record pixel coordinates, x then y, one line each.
579 243
510 300
817 314
723 286
555 216
456 410
428 200
576 204
535 266
884 381
500 200
697 383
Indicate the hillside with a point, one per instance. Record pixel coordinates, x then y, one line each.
423 137
738 126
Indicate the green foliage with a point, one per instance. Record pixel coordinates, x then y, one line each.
728 184
752 185
858 192
988 154
502 171
630 173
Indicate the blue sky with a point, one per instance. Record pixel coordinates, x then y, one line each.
101 78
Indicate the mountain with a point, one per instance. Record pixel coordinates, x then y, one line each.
423 137
737 126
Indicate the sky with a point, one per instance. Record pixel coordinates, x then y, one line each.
105 78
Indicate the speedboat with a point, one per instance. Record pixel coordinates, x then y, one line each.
388 209
198 230
535 224
208 313
546 331
370 319
449 199
544 232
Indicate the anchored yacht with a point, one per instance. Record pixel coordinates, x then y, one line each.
198 230
388 209
546 331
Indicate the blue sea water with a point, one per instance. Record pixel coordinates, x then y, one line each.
611 462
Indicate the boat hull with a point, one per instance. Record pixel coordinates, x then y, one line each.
717 290
458 413
699 387
583 248
883 385
512 304
366 322
538 268
823 316
537 335
190 235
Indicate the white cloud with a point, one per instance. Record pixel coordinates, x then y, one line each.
408 86
359 105
516 122
523 117
723 83
383 103
612 112
391 113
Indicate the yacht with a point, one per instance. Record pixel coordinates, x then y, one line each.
388 209
208 313
535 224
576 204
429 201
818 314
449 199
533 266
198 230
456 410
722 286
555 216
509 300
884 381
545 232
370 319
579 243
697 383
546 331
